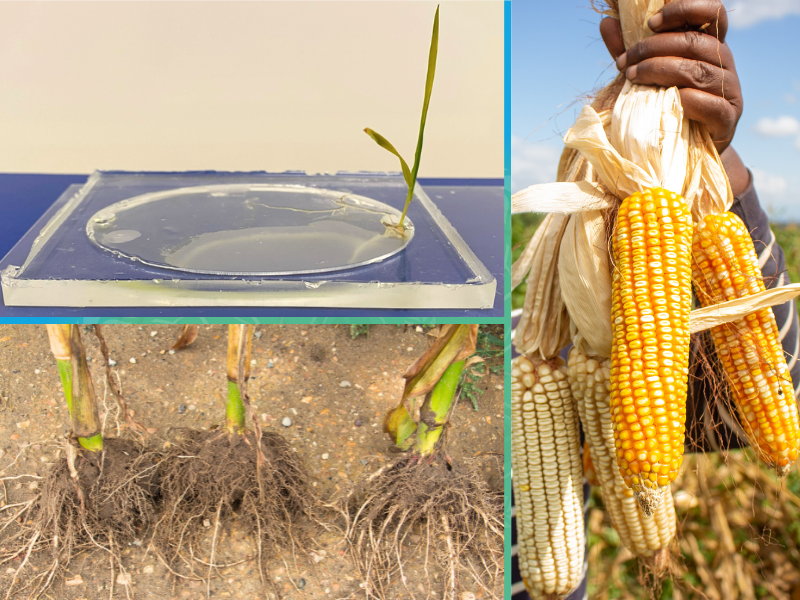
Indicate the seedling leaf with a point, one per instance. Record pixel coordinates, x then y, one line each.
411 178
384 143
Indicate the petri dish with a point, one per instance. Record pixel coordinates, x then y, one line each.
250 229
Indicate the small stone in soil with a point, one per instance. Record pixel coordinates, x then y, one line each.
345 384
133 361
171 351
270 365
258 334
112 362
364 461
182 408
287 422
325 456
358 423
301 584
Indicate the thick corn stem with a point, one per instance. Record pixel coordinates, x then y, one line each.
67 348
726 267
239 342
85 419
651 299
590 380
548 478
436 410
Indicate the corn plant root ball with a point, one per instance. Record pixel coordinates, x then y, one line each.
441 512
106 507
209 477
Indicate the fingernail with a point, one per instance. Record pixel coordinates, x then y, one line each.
631 73
655 21
622 60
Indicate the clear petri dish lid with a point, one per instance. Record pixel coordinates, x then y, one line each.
251 229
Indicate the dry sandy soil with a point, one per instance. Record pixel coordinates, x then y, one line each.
299 372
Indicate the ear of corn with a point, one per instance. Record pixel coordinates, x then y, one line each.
651 301
726 267
548 479
644 536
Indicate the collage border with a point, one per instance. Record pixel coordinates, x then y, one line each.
504 320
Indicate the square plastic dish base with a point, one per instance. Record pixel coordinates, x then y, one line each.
56 264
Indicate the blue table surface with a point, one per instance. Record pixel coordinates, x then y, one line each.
25 197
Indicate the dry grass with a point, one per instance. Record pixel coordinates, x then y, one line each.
739 536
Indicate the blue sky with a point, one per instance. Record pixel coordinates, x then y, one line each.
558 58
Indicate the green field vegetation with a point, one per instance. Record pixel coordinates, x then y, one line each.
522 229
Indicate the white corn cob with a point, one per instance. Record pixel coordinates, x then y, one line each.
645 536
548 477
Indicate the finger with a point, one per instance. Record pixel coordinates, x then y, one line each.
717 115
708 16
611 32
686 44
668 71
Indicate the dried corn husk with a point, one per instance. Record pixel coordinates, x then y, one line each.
544 326
705 318
562 197
59 341
586 280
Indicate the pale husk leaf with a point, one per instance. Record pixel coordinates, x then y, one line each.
586 280
544 326
563 197
521 266
732 310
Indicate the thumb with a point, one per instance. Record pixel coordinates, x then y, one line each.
611 32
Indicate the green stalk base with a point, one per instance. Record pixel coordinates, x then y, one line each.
65 372
440 402
234 410
92 444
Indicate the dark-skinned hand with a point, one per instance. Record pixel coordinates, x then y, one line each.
689 52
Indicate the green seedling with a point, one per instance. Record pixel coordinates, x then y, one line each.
410 175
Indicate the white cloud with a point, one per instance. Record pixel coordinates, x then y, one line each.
746 13
778 194
532 163
768 184
783 126
790 98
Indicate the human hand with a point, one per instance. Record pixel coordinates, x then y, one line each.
688 51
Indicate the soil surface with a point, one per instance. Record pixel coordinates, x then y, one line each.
324 391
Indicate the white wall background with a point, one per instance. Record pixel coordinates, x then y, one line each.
248 85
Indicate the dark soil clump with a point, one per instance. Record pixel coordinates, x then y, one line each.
210 477
107 506
434 509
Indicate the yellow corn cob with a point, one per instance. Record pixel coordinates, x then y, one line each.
644 536
548 478
651 299
726 267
